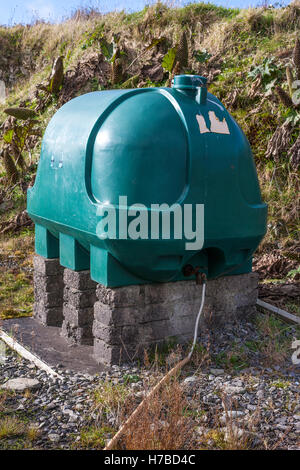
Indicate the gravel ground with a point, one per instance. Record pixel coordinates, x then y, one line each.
228 384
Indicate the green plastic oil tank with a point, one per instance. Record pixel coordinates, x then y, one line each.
146 148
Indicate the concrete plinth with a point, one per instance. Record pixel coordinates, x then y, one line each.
127 320
48 291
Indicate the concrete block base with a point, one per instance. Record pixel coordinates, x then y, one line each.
78 307
128 320
48 291
122 322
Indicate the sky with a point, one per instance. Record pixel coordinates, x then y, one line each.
27 11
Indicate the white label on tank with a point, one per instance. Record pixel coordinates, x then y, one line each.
220 127
202 124
216 126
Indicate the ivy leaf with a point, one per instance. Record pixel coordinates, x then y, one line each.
107 49
7 137
169 59
201 56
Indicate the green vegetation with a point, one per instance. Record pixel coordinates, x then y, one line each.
275 343
16 289
235 359
93 437
281 384
16 430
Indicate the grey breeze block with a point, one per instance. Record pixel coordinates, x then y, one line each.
127 320
78 307
48 291
122 322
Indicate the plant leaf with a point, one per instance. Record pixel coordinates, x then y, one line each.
7 137
107 48
201 56
21 113
169 59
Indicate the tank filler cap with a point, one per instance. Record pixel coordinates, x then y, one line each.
189 82
193 86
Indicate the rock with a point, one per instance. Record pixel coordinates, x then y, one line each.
61 408
51 406
233 432
260 394
72 416
190 380
31 365
53 437
282 427
200 430
233 390
237 383
217 371
21 384
230 415
251 407
6 205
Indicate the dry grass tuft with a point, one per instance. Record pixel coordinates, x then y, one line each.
109 400
162 423
33 433
11 427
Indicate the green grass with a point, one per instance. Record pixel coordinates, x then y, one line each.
16 431
131 378
281 384
236 359
16 297
275 342
93 437
108 396
16 286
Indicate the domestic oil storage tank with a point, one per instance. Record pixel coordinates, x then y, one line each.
135 159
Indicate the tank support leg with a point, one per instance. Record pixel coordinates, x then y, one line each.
71 254
46 244
106 270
